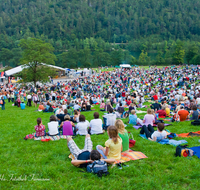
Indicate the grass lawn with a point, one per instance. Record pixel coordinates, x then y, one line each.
49 160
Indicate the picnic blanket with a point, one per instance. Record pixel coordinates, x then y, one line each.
126 156
43 138
154 125
167 141
140 111
190 134
196 150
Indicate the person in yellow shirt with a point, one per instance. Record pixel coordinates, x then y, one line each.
167 111
113 145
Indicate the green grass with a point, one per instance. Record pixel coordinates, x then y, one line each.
49 160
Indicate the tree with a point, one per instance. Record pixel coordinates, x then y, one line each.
101 58
84 57
159 58
36 52
6 55
116 57
143 57
191 52
196 60
178 55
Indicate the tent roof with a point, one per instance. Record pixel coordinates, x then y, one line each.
125 66
21 67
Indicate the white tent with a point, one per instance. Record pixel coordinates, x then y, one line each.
21 67
125 66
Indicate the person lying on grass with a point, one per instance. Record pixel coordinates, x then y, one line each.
113 145
152 135
86 155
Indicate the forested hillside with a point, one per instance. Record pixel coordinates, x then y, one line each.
91 25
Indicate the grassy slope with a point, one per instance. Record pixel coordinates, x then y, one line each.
49 160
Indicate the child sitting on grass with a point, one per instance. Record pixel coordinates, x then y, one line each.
113 145
123 134
39 128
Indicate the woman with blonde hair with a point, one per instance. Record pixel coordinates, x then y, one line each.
123 134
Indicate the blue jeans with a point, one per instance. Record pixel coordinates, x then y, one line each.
3 106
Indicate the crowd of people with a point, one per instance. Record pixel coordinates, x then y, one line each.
174 92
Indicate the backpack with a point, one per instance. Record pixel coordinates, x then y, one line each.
98 167
183 151
1 101
196 122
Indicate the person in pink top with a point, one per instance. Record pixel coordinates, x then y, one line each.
148 121
148 118
67 126
39 128
102 106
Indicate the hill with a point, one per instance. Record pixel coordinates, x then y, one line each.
143 24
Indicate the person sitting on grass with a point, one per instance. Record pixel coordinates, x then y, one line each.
109 119
75 119
152 135
113 145
133 118
41 107
132 107
155 106
53 126
39 128
95 125
84 106
162 112
167 111
86 155
182 114
148 120
194 113
69 110
123 134
102 106
120 109
61 116
82 126
67 126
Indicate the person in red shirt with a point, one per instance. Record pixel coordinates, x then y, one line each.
162 112
39 128
123 94
155 97
183 114
128 102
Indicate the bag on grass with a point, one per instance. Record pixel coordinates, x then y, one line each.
131 140
183 151
98 167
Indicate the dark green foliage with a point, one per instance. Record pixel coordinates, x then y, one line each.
35 53
98 26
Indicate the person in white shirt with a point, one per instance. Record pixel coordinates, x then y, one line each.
76 106
81 127
59 111
95 125
109 119
29 98
53 126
